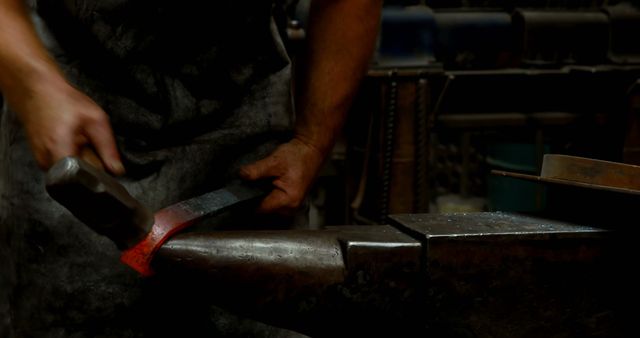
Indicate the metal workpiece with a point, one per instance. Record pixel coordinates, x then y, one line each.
179 216
510 275
365 280
103 204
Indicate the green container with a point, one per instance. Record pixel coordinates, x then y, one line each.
511 194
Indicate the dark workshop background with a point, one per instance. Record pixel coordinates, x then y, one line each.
459 88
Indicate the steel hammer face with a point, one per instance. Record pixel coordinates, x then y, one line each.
99 201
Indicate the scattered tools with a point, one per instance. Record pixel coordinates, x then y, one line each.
80 187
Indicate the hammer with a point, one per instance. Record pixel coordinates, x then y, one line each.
137 231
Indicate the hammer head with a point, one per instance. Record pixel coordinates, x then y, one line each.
99 201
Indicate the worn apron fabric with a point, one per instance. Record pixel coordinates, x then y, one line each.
194 89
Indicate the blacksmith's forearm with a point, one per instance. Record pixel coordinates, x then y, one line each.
341 37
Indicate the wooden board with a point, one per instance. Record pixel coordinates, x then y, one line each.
584 172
